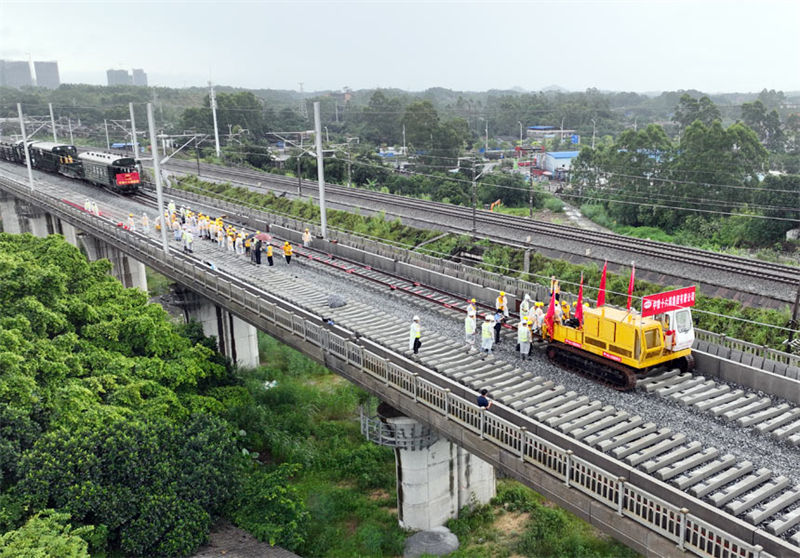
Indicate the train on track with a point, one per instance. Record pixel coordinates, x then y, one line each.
119 174
616 347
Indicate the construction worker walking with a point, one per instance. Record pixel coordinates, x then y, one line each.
306 239
487 335
269 254
131 223
414 334
524 338
287 252
145 223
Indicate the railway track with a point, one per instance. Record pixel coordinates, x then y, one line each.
782 274
737 486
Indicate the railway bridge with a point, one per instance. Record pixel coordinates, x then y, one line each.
548 450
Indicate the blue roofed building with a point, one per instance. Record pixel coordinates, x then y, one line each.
559 162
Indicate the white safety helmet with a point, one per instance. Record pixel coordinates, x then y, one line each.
416 318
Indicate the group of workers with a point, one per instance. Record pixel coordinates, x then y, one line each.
186 224
532 318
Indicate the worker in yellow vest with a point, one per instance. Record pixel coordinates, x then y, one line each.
501 304
287 252
269 254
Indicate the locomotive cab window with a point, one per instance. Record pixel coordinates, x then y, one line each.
683 321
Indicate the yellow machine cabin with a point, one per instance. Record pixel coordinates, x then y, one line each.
629 339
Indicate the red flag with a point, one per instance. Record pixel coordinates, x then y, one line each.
579 309
601 296
630 286
549 317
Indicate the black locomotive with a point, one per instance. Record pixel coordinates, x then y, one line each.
120 174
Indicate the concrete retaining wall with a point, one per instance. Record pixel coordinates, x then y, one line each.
749 376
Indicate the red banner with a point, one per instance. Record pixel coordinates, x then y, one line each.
124 178
671 300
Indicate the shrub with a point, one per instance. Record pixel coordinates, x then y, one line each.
271 509
554 204
44 535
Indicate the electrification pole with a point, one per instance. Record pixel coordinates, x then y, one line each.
108 144
214 115
320 171
474 198
25 145
53 123
157 172
69 125
133 133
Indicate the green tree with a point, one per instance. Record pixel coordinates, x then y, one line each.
690 109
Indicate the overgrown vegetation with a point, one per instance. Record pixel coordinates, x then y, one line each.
519 522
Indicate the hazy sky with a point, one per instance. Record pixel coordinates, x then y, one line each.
642 45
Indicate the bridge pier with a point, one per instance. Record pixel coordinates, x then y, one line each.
435 477
131 273
8 213
236 339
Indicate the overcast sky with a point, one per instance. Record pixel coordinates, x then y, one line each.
642 45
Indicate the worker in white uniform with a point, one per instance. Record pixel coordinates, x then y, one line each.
470 326
487 335
524 338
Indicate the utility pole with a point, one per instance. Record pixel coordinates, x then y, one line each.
474 198
197 154
793 323
405 154
320 171
52 123
133 133
25 145
594 129
486 146
213 100
157 172
530 196
349 167
69 125
108 144
520 131
299 177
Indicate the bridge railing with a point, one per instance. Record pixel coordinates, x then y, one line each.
678 525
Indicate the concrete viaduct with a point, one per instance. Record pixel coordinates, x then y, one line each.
649 515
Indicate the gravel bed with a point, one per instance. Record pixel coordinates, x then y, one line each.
743 443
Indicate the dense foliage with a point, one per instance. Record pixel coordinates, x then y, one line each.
105 412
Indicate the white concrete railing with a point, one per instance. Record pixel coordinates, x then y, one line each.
678 525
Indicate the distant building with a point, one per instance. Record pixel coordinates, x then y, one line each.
119 77
47 74
139 77
548 132
15 74
559 162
